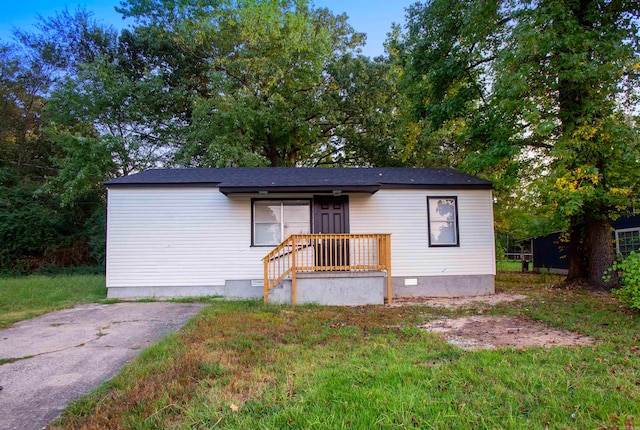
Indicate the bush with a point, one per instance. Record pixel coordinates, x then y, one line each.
629 271
29 225
37 232
96 230
53 270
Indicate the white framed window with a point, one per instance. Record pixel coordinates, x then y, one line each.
442 214
627 240
275 220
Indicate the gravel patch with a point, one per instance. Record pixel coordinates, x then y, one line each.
488 332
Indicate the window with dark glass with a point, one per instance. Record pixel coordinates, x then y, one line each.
275 220
443 221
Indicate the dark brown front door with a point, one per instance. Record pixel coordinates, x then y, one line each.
331 216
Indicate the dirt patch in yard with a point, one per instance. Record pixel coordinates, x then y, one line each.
456 302
488 332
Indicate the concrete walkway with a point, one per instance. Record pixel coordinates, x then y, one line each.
63 355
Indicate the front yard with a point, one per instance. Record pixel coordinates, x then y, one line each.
249 365
29 296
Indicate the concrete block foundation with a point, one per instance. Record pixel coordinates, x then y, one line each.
134 293
235 289
443 286
333 288
326 288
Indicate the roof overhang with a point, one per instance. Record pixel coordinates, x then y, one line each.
109 184
306 189
484 186
370 189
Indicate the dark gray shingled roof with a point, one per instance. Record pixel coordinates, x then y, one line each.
298 179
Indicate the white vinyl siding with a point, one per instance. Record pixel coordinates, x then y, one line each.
191 236
179 237
403 213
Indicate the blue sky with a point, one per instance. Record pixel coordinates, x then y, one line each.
373 17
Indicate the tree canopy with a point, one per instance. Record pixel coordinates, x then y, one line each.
541 96
535 87
199 84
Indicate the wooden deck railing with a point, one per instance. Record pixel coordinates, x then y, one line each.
327 253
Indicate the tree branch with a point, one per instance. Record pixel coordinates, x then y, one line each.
479 62
536 143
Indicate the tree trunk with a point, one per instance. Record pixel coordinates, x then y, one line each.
600 252
585 233
577 247
271 151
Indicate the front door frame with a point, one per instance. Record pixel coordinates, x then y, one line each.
334 252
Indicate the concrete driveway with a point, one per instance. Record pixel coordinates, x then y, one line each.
63 355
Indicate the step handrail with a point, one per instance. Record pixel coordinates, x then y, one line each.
327 253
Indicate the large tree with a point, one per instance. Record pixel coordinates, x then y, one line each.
280 82
215 83
34 229
188 83
61 51
23 85
548 86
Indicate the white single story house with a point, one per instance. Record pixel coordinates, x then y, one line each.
228 232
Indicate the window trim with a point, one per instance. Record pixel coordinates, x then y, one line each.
275 200
624 230
456 223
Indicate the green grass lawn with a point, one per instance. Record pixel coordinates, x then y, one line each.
246 365
509 266
29 296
